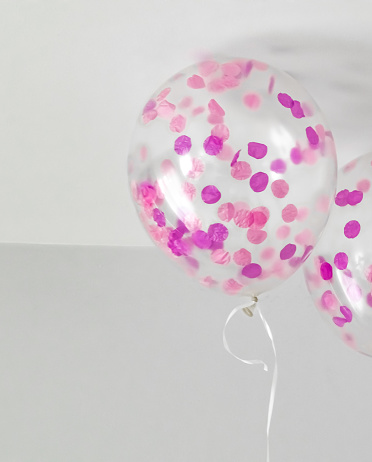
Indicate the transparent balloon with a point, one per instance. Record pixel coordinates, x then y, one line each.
232 169
339 272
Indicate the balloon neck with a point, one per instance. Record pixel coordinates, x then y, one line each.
249 310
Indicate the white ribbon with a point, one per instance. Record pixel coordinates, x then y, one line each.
250 306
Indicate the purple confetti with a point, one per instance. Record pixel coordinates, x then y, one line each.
285 100
218 232
296 156
341 260
342 198
278 166
352 229
287 252
202 239
158 217
210 194
355 197
235 158
258 181
253 270
326 271
257 150
213 145
312 136
297 110
182 145
178 247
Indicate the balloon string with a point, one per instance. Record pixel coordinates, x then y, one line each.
248 309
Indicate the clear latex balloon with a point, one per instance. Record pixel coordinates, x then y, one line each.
339 272
232 169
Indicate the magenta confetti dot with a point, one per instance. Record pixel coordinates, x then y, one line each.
258 181
182 145
278 166
285 100
210 194
287 252
312 136
201 239
257 150
352 229
218 232
355 197
159 217
213 145
369 299
341 260
253 270
342 198
297 111
235 158
296 156
326 271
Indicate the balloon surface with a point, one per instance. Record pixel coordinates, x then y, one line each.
232 169
339 272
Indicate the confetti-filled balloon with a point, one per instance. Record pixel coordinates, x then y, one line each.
232 169
339 272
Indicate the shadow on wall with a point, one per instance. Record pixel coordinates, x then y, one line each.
336 73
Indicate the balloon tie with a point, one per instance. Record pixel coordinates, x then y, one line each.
248 309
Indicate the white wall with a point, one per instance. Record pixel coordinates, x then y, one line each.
75 73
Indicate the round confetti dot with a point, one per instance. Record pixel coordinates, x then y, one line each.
242 218
242 257
268 253
283 232
231 286
182 145
197 168
226 211
257 150
201 239
241 170
210 194
221 131
226 153
285 100
342 197
258 181
289 213
278 166
326 271
279 188
213 145
218 232
364 185
296 156
166 109
178 123
354 292
256 236
328 300
355 197
341 260
312 136
296 110
352 229
287 252
195 82
159 217
252 100
189 190
253 270
215 108
221 257
258 217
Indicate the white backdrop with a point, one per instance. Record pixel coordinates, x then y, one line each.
75 73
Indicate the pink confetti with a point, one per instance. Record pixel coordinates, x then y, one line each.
242 257
258 217
210 194
368 273
302 214
312 136
226 153
285 100
215 108
259 181
201 239
226 211
369 299
163 94
296 156
289 213
364 185
352 229
207 68
297 111
283 232
230 81
328 300
231 286
215 119
166 109
221 131
197 168
271 84
189 190
278 166
242 218
218 232
182 145
253 270
268 253
178 123
256 236
279 188
159 217
221 257
149 106
208 281
287 252
326 271
185 102
252 101
231 69
241 170
212 145
198 110
235 158
149 115
257 150
195 82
